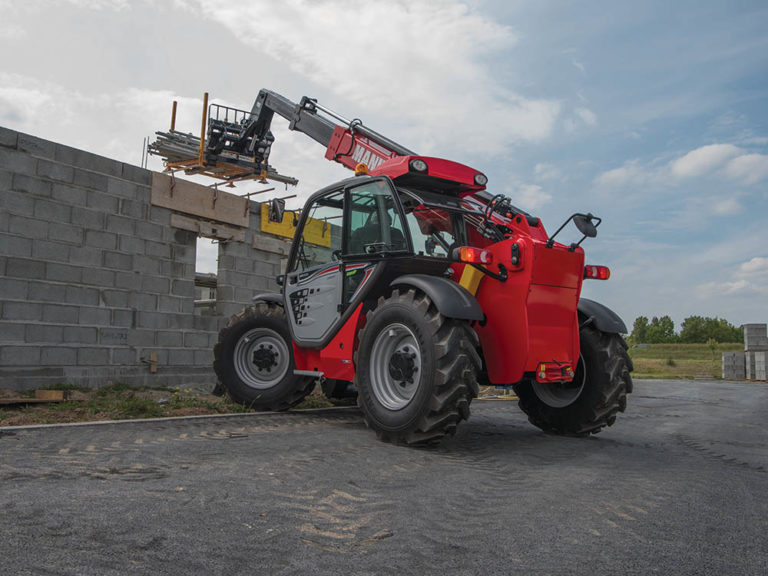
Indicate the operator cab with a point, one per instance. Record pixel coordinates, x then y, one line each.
353 239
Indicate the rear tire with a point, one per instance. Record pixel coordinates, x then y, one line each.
416 370
598 391
254 360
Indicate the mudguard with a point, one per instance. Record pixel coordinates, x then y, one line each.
605 319
452 300
269 297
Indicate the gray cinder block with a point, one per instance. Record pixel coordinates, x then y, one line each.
20 355
18 162
58 314
24 268
54 356
28 227
52 211
15 245
8 138
56 171
97 239
12 331
17 203
22 311
94 316
44 333
118 261
92 356
88 179
31 185
43 250
68 233
35 146
63 273
97 200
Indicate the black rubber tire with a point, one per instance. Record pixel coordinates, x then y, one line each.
446 383
289 391
606 365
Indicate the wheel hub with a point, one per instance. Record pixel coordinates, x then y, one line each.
265 357
402 366
395 366
261 358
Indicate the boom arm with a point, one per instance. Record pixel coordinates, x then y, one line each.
346 142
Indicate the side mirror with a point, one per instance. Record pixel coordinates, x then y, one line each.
585 225
276 210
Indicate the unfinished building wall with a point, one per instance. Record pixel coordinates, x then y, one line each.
97 280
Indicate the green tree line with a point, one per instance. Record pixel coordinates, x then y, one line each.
694 329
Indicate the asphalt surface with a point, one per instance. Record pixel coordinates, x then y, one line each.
679 485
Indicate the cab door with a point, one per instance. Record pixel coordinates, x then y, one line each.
343 237
313 281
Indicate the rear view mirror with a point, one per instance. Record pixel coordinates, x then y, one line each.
276 210
584 224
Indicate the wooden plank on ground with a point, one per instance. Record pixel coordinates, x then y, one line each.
190 198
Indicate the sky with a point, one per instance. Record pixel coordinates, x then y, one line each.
652 115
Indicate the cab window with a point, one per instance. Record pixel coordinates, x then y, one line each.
320 240
375 224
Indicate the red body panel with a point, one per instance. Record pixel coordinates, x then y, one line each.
531 318
335 360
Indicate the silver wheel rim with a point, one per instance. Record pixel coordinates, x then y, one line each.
395 342
257 348
562 394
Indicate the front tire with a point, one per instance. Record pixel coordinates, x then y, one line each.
254 360
589 403
416 370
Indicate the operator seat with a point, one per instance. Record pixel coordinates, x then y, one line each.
370 233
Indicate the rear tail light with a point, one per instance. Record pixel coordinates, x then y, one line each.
472 255
597 272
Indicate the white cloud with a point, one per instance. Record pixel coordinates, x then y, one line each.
757 265
749 278
749 168
631 173
587 116
420 64
727 207
529 197
544 171
727 162
703 160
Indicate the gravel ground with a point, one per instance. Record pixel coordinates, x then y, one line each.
678 485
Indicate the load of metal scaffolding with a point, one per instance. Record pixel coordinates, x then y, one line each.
198 155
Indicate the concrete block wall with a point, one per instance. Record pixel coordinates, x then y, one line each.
250 267
733 366
94 280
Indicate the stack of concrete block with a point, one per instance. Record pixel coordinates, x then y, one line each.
755 348
95 285
733 366
759 369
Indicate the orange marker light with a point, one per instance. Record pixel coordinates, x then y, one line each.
472 255
361 169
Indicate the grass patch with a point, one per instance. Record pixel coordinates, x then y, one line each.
680 361
116 402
